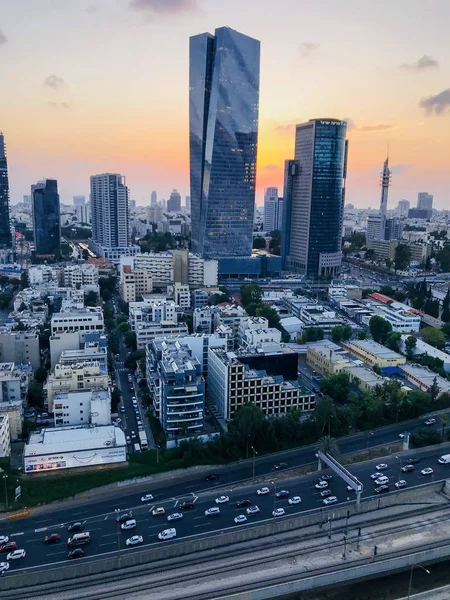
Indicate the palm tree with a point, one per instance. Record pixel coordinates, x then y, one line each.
328 445
443 420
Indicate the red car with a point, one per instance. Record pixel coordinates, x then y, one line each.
9 547
52 538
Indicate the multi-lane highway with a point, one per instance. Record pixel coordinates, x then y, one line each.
108 538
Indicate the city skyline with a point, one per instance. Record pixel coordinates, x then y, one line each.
61 120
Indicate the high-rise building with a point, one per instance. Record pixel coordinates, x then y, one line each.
5 227
110 216
174 202
385 180
376 227
27 199
153 198
187 203
425 201
270 208
393 229
82 210
280 215
46 217
223 120
314 192
403 208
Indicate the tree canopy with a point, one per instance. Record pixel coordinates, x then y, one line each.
379 329
433 336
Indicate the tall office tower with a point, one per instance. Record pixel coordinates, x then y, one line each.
223 121
403 208
27 199
314 193
280 215
393 229
5 227
425 201
46 217
153 198
109 213
132 204
174 202
270 208
187 203
376 225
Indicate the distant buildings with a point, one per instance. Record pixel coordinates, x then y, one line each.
223 115
5 227
425 201
20 347
82 210
153 198
151 319
174 202
271 209
314 189
69 330
403 208
46 218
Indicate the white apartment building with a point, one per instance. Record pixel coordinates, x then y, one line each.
230 315
69 330
318 316
81 275
152 311
13 390
270 208
5 437
182 296
134 284
39 274
82 408
69 378
402 318
19 347
261 337
203 319
94 349
250 323
148 331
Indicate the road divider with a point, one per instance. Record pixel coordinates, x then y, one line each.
20 515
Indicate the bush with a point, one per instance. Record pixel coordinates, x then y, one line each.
425 437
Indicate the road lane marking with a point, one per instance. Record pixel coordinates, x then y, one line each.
201 524
108 543
14 534
195 498
176 504
41 529
106 517
108 534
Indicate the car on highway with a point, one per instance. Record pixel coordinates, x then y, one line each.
186 505
381 489
147 498
167 534
321 485
376 475
407 468
325 493
381 480
430 421
175 516
16 554
4 539
130 524
243 503
77 553
52 538
121 518
401 436
427 471
4 566
8 547
158 511
252 510
222 499
211 477
294 500
382 467
280 466
75 527
278 512
263 491
281 494
212 512
413 461
326 477
401 483
240 519
330 500
134 540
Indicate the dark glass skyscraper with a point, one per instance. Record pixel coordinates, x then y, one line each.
5 228
314 199
223 114
46 217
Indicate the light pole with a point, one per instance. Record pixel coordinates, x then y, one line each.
157 453
254 456
399 468
411 576
368 439
5 479
117 511
274 497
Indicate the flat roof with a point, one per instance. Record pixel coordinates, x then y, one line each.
375 348
72 439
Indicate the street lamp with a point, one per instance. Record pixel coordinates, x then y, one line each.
5 479
254 456
274 496
117 511
411 576
157 453
368 438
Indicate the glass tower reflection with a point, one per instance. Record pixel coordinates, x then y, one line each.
46 217
5 228
223 114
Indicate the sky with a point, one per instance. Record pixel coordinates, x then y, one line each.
90 86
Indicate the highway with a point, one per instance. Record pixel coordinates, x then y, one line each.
107 538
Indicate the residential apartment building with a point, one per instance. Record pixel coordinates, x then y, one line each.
5 437
182 296
203 319
69 330
199 299
93 350
372 353
319 316
134 284
81 275
19 347
230 315
82 408
152 311
13 393
75 377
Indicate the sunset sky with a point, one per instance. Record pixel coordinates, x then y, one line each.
89 86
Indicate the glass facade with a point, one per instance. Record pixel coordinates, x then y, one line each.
223 113
46 217
5 228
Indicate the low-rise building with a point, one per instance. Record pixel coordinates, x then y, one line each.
93 350
230 315
203 319
372 353
80 276
146 332
294 304
422 348
82 408
293 326
69 330
402 318
327 361
318 316
423 378
261 337
73 377
341 292
363 378
182 296
199 299
152 311
74 447
5 436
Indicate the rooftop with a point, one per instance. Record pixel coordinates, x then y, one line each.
375 348
72 439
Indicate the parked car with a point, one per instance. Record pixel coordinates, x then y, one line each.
376 475
167 534
382 467
413 461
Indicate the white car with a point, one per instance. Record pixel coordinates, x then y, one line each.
4 566
294 500
16 554
382 467
330 500
382 480
240 519
4 539
134 540
401 483
222 499
167 534
175 516
321 485
401 436
430 421
427 471
252 510
278 512
158 511
209 512
376 475
263 491
147 498
130 524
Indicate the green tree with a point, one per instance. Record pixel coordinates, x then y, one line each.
245 427
347 332
336 387
35 394
443 420
328 445
433 336
85 254
217 298
443 258
445 316
130 340
116 396
312 334
387 290
402 257
259 243
123 327
325 414
132 360
266 311
434 390
379 329
337 334
90 299
275 242
410 344
369 254
425 437
251 294
40 375
362 334
446 329
393 341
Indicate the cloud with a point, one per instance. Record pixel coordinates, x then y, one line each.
91 9
3 38
164 6
57 105
287 128
375 127
437 104
55 82
307 48
271 167
425 62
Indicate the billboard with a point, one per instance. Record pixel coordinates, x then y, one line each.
71 460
